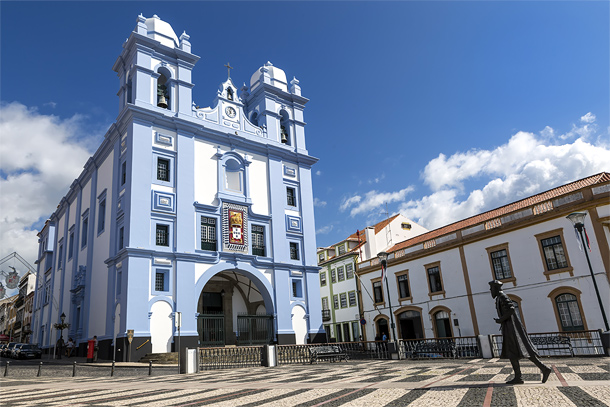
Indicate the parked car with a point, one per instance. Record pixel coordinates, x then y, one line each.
6 352
12 353
27 351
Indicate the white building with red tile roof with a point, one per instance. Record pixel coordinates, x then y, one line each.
438 281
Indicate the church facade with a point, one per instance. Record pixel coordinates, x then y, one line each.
187 222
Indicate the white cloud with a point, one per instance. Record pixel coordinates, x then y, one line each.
40 157
373 199
317 202
588 118
325 230
318 173
524 166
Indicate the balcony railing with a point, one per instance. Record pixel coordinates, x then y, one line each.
577 343
459 347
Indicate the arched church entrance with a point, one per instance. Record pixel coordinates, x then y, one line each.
231 311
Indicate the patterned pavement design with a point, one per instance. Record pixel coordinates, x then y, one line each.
430 383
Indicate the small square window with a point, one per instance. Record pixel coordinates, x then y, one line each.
294 251
162 235
323 278
333 276
290 197
163 169
161 280
297 290
434 279
341 249
258 240
403 286
321 257
501 266
553 253
335 301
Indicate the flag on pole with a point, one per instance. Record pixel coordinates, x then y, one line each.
578 239
382 272
587 237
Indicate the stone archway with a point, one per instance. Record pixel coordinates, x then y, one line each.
232 310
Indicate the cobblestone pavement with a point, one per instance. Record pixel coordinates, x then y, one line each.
445 383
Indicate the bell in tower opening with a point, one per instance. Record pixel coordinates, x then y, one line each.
162 93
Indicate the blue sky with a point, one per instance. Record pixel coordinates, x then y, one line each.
440 110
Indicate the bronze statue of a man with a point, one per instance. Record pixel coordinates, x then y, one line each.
515 342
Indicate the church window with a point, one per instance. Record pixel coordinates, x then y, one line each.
84 232
297 289
161 280
71 244
162 235
119 281
258 240
208 234
233 176
60 256
101 220
294 251
123 173
290 197
121 237
162 169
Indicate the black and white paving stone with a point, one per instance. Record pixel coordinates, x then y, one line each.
432 383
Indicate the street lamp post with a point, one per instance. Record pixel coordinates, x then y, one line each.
578 220
383 258
63 325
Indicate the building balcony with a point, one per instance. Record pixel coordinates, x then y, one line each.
325 315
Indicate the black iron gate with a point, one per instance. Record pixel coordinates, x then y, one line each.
254 329
211 328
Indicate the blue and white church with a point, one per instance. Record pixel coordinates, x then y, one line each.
188 222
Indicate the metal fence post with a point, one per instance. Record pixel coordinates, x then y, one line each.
74 370
150 367
39 369
112 370
6 369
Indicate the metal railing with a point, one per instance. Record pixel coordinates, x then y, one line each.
459 347
300 354
230 357
577 343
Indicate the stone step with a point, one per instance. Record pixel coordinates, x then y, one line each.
160 358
